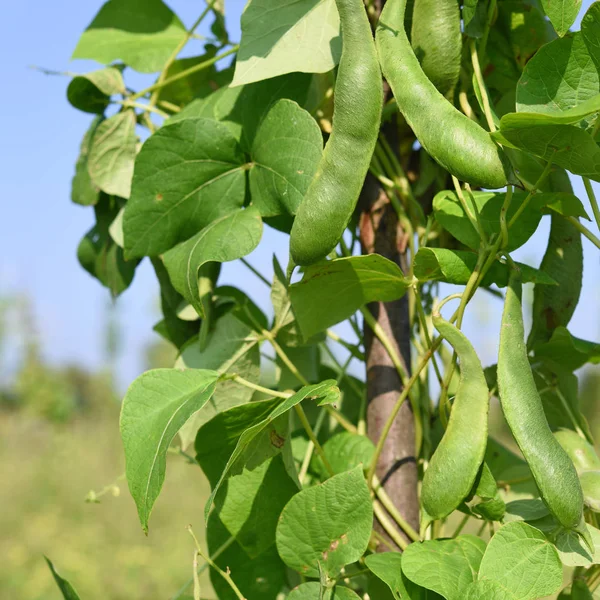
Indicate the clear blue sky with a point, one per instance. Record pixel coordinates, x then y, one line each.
40 228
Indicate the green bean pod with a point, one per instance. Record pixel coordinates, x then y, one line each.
551 467
580 451
554 305
437 42
590 484
456 142
455 464
329 202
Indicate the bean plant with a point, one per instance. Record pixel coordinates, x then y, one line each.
463 124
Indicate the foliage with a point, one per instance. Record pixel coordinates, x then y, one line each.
235 148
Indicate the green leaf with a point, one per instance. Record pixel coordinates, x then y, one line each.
341 287
100 256
282 36
565 145
286 152
195 85
115 229
224 344
244 307
326 392
522 561
67 590
573 551
226 239
312 591
451 216
474 17
83 190
344 451
444 566
487 590
560 82
327 525
141 33
263 577
388 567
568 351
305 358
186 175
590 30
156 406
112 154
527 509
250 504
562 203
456 266
562 13
91 92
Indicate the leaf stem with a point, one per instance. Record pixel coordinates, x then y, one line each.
531 193
584 230
387 503
141 106
256 272
313 438
388 526
592 197
256 387
475 219
310 448
178 49
181 75
224 574
482 89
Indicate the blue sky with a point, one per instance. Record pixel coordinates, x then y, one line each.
40 228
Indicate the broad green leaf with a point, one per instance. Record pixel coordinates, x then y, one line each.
242 109
91 92
327 525
590 30
285 154
487 590
196 85
231 237
456 266
562 13
444 566
573 551
527 509
522 561
474 17
312 591
100 256
560 82
175 330
66 589
567 350
326 392
263 577
334 290
245 309
222 353
562 203
141 33
451 216
283 36
250 504
156 406
112 154
186 175
388 567
116 228
565 145
83 189
344 451
306 359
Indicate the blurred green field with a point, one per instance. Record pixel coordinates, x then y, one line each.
46 471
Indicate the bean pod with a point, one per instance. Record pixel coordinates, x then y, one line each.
551 467
456 142
455 464
580 451
327 207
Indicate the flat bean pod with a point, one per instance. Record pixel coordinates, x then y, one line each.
456 142
455 464
437 42
327 207
551 467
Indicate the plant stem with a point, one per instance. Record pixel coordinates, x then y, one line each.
482 89
194 69
225 575
584 230
313 438
141 106
593 201
388 526
178 49
461 526
386 501
382 539
203 568
310 448
531 193
423 318
474 222
258 388
256 272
